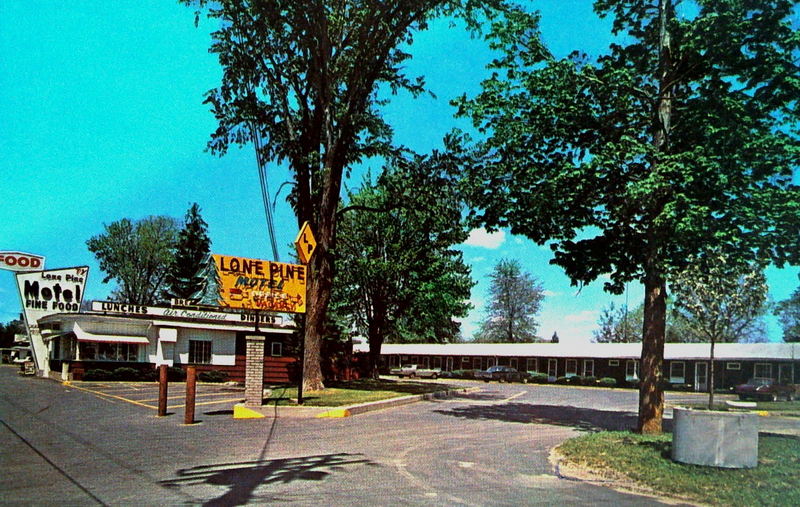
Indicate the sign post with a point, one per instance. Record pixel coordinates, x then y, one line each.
305 243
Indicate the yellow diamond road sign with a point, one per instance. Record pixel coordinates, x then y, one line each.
305 243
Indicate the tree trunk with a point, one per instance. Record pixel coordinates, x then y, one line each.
711 377
317 299
651 392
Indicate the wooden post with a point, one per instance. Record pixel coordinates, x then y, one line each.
162 390
191 390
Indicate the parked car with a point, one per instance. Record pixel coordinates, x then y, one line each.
765 389
413 370
501 374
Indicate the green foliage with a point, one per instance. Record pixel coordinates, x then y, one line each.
126 373
721 300
213 376
398 277
607 382
302 80
137 255
515 297
682 136
538 378
187 278
176 374
645 460
8 330
589 381
788 312
97 374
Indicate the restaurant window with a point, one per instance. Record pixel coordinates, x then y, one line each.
103 351
199 352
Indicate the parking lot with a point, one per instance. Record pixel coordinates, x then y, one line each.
145 394
102 443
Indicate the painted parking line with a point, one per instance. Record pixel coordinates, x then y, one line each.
514 396
104 394
146 402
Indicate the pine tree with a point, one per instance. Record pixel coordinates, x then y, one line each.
187 277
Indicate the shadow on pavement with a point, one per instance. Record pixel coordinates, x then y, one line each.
243 478
582 418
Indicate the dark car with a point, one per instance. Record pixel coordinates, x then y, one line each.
501 374
765 389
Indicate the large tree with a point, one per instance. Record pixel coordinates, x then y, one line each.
187 278
515 297
683 135
722 300
788 312
398 277
137 255
302 80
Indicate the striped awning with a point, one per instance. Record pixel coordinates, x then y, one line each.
84 336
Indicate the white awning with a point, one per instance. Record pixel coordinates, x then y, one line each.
84 336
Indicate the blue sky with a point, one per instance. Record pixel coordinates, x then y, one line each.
103 119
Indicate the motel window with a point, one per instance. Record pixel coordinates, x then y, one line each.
631 370
276 349
199 351
532 365
786 374
491 361
733 366
762 370
514 363
437 362
677 372
476 363
465 363
613 362
552 368
588 367
572 367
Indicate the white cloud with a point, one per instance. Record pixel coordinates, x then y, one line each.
483 239
550 293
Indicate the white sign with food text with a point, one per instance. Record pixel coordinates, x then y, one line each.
53 291
19 261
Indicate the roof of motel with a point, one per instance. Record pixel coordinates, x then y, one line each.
722 351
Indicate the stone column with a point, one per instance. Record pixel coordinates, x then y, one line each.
254 371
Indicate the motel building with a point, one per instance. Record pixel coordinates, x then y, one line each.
686 365
114 335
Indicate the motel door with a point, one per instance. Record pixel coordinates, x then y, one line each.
701 377
449 364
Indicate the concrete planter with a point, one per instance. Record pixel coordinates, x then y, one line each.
720 439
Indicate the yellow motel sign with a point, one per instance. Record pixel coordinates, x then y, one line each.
255 284
305 243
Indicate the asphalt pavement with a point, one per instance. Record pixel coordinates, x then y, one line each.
75 447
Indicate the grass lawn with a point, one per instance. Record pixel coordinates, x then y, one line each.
646 460
339 394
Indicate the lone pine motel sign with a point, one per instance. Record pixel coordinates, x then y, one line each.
256 284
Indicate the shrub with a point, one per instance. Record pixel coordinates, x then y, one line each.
538 378
575 380
97 374
175 374
632 382
590 381
213 376
125 373
149 374
562 380
465 374
607 382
